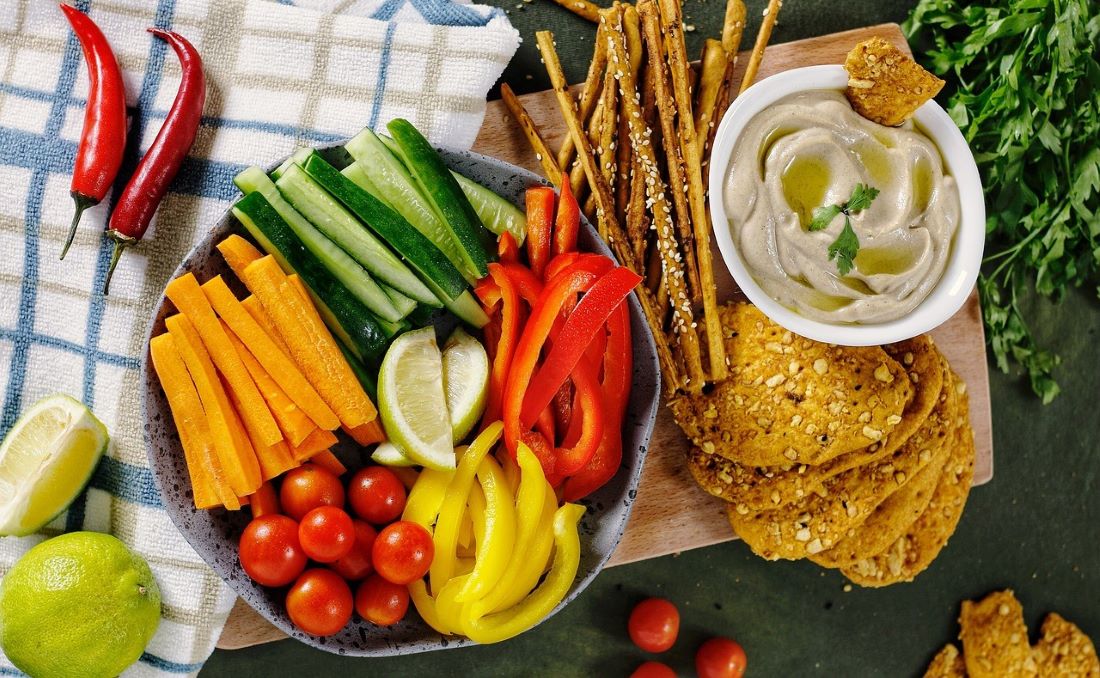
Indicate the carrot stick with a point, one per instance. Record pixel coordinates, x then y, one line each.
238 460
238 253
368 433
406 475
274 460
264 501
256 310
208 484
310 343
317 441
293 422
328 461
188 297
276 363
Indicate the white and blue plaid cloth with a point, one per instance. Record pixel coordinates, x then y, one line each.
279 75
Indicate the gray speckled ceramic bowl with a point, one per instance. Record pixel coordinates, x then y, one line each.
214 534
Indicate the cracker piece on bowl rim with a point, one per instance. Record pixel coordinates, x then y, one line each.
885 84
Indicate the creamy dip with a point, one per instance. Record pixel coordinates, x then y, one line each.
809 150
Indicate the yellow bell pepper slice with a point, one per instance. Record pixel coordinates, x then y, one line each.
426 496
530 506
448 609
512 472
534 608
425 606
454 507
537 560
498 533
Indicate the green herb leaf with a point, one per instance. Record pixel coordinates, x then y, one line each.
823 216
861 199
845 248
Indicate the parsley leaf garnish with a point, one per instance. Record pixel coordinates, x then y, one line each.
1025 76
846 246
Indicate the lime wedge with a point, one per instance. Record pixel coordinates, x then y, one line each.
465 381
45 461
388 454
412 403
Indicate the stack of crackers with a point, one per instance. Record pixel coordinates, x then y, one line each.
857 458
995 645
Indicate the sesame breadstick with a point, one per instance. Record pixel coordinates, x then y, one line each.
538 144
771 15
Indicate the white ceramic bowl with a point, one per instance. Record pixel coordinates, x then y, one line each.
965 256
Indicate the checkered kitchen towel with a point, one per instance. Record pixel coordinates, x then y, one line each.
278 76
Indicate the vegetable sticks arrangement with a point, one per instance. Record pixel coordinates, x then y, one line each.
639 140
257 386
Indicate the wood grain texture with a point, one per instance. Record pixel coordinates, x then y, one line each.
671 513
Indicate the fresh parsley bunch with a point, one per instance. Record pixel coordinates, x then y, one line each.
1027 97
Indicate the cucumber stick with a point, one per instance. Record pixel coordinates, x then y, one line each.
297 157
349 234
345 269
443 192
348 319
403 304
497 214
380 173
419 252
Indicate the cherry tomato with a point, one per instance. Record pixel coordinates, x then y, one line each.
307 487
403 552
320 602
356 564
653 670
376 495
720 658
381 602
327 534
270 552
654 624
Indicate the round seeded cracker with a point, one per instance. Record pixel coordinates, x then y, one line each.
762 488
792 400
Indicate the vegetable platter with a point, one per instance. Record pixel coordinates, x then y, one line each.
215 533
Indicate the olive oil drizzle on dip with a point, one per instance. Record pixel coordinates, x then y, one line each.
812 150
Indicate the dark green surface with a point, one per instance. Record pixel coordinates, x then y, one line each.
1035 528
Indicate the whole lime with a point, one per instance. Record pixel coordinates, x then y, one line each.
81 604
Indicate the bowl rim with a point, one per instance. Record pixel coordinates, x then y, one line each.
644 417
965 256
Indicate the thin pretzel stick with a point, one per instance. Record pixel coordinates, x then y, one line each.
608 132
712 68
585 10
666 109
538 144
733 26
637 220
588 95
672 23
771 15
682 321
624 158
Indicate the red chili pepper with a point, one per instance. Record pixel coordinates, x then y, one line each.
567 223
617 376
582 325
507 249
574 280
540 217
143 193
103 138
510 322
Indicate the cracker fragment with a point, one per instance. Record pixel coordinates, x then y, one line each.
777 377
947 663
1064 651
885 84
994 637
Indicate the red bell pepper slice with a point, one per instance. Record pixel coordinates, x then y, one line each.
540 216
507 249
510 322
582 325
617 377
527 284
566 285
488 292
567 223
570 460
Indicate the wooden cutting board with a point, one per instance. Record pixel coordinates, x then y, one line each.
671 514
